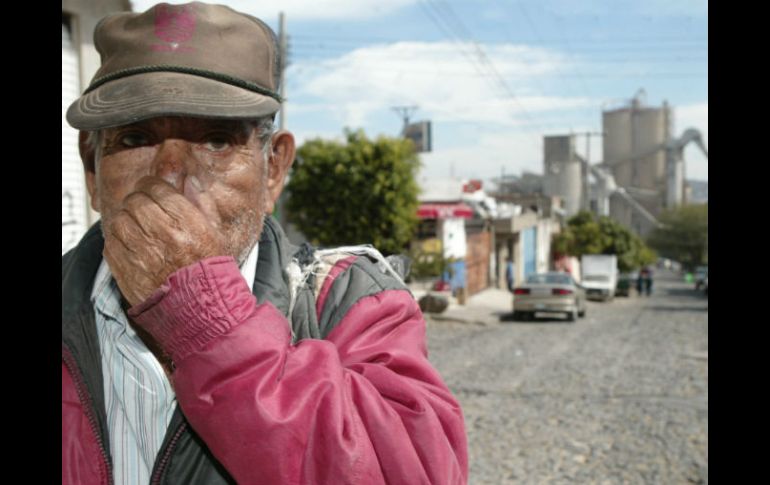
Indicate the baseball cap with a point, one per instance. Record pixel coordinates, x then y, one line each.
195 59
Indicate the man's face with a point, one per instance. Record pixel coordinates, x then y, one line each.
217 165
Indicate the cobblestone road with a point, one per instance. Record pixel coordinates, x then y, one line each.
619 397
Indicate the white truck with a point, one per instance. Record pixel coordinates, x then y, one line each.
599 275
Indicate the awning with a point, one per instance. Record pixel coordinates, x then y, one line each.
444 211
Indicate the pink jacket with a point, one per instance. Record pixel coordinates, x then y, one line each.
363 406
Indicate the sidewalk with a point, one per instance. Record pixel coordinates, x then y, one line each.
483 308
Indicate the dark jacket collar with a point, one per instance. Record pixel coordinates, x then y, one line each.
79 267
80 264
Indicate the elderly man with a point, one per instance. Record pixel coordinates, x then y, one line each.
198 345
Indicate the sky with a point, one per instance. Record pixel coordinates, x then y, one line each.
492 76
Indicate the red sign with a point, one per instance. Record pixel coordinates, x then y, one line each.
472 186
444 211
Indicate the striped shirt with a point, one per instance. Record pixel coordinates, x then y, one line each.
139 398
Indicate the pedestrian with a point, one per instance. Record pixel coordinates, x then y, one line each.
648 282
640 282
510 273
198 345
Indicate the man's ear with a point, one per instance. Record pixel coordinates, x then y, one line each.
278 164
88 156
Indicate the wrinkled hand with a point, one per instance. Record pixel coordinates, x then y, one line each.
158 231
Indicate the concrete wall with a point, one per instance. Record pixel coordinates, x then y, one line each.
546 228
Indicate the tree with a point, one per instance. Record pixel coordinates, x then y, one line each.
587 234
359 192
683 236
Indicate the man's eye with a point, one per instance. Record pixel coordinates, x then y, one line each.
133 140
217 143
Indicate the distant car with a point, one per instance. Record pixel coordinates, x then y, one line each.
701 273
625 282
553 292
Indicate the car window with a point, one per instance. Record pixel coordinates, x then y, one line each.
550 278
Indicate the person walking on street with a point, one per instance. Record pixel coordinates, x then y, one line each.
510 269
648 282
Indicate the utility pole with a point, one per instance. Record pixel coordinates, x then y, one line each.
585 202
283 63
280 205
404 113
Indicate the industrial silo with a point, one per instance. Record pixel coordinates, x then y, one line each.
616 144
634 149
563 171
634 140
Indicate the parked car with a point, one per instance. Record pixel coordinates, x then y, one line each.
553 292
625 282
701 273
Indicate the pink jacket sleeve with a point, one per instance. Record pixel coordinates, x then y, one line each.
363 406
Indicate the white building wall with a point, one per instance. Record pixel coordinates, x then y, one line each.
544 233
74 211
80 61
452 234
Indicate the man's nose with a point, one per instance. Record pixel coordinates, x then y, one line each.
172 162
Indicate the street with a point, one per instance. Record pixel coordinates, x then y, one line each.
620 396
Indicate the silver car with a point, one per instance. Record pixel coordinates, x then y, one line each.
554 292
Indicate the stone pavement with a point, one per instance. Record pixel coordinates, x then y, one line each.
483 308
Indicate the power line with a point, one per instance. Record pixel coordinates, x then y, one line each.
309 50
694 41
382 66
534 29
491 68
452 23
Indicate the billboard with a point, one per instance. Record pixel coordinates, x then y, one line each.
420 134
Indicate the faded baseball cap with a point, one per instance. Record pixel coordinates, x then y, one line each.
200 60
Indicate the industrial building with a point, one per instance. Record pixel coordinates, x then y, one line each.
641 174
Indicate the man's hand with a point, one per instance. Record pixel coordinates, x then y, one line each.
158 231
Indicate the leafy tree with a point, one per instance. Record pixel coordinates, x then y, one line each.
683 236
358 192
587 234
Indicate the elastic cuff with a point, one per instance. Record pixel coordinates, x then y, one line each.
196 304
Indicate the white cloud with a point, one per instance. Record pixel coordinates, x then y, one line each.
437 77
302 9
491 154
477 128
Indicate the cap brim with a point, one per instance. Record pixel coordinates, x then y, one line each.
150 95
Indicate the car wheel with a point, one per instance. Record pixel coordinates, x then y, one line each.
572 316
